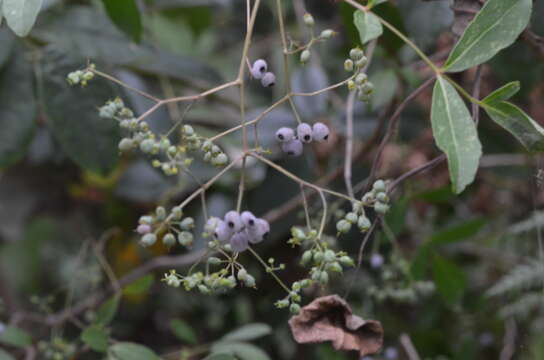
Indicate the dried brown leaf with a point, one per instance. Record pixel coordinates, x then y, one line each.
329 318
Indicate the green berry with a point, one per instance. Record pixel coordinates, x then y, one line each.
146 146
294 308
306 257
367 88
346 261
126 144
203 289
249 281
329 256
169 239
379 186
177 213
363 223
348 65
220 160
242 274
318 257
324 278
334 267
282 303
356 54
361 78
185 238
298 234
309 19
343 226
148 239
382 197
188 130
351 217
187 224
305 56
327 34
381 208
361 62
214 261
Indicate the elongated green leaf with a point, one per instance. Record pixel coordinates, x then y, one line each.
503 93
242 351
248 332
21 14
5 356
449 279
183 331
96 337
13 336
455 134
457 233
528 132
107 311
368 25
131 351
495 27
140 285
16 116
125 14
89 140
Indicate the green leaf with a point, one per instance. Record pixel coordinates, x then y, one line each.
495 27
503 93
183 331
90 141
21 14
385 86
13 336
242 351
125 14
514 120
248 332
368 25
220 357
5 356
449 279
140 285
455 134
96 337
131 351
457 233
16 116
106 312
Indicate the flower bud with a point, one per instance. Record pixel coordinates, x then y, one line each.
294 308
169 239
326 34
305 56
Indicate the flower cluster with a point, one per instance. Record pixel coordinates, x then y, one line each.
292 143
177 227
81 76
212 153
356 64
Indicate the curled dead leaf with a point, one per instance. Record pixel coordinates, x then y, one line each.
329 318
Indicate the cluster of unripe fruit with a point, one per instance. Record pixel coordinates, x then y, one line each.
80 76
356 64
292 140
377 197
259 71
179 228
212 153
219 281
238 230
325 34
